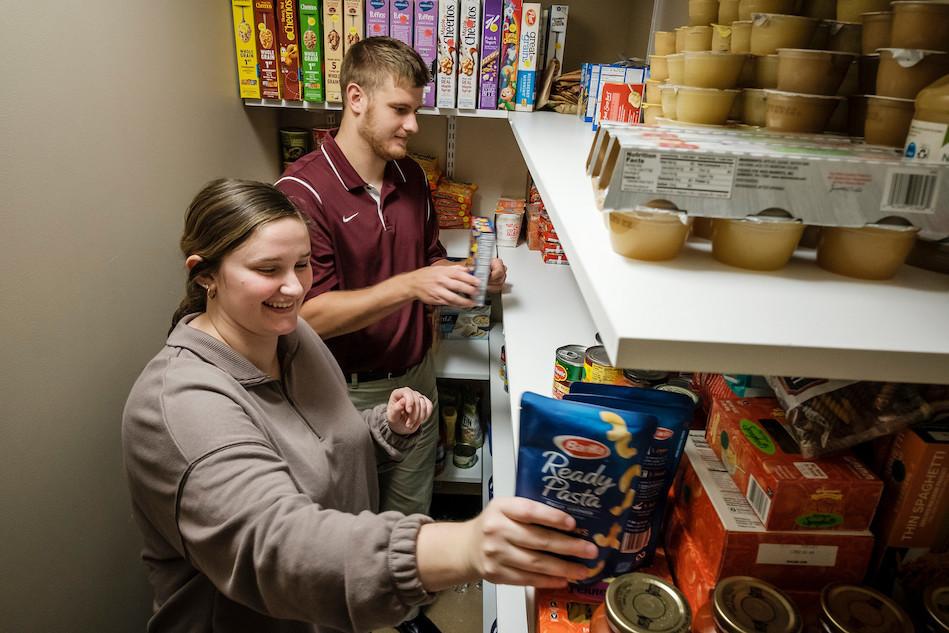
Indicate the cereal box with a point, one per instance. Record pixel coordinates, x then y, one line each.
311 36
787 491
469 44
526 81
621 103
490 54
333 47
247 81
266 21
480 253
377 18
510 39
353 23
289 50
556 36
447 76
426 42
401 13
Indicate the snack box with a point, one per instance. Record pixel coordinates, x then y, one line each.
377 18
311 38
730 540
401 14
611 74
333 48
621 103
490 55
446 83
426 42
789 492
354 23
287 23
510 38
526 81
480 253
915 507
819 180
266 21
556 36
469 45
248 83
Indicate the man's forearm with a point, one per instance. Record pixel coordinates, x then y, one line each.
340 312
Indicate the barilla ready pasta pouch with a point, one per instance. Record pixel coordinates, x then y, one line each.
643 526
584 460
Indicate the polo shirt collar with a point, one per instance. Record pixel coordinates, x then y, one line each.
347 174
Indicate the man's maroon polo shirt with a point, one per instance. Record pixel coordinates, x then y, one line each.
356 243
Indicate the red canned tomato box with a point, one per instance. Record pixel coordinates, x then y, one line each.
788 492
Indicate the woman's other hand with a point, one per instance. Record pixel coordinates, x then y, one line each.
407 410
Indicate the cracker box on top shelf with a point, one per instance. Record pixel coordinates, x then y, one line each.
490 55
354 23
789 492
446 83
311 38
266 21
288 26
527 53
510 39
248 83
426 43
401 19
377 18
469 48
333 48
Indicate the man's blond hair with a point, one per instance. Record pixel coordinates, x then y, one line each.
371 61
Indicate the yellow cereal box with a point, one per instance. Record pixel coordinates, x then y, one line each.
247 80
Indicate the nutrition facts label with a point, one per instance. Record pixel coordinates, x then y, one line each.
699 176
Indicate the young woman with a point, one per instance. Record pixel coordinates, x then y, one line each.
254 479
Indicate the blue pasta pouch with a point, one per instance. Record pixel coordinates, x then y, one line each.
583 459
643 525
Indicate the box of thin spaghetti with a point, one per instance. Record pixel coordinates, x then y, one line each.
480 254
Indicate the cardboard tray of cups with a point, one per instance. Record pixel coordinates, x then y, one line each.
821 180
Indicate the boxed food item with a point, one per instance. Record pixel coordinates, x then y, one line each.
730 540
312 39
480 254
568 610
787 491
426 42
354 23
401 19
248 83
610 74
333 48
464 323
621 103
490 55
556 36
469 45
526 83
446 84
287 23
377 18
266 21
510 38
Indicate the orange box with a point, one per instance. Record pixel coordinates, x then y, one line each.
567 610
621 103
289 52
787 491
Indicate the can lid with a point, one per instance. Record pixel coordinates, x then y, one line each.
597 355
643 603
743 603
572 353
853 609
683 390
646 375
936 601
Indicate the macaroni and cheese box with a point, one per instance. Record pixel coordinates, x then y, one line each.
490 55
287 23
311 36
447 75
527 52
469 44
353 23
247 81
266 21
401 18
377 18
510 38
426 43
556 36
333 48
787 491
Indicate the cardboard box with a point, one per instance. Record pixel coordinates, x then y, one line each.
527 52
480 253
289 57
426 43
377 18
556 36
266 21
621 103
333 48
510 39
311 38
469 48
490 55
789 492
401 19
354 23
446 83
248 84
730 540
611 74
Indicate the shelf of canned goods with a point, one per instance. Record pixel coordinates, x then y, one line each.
693 313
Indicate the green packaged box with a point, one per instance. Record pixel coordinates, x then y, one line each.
312 41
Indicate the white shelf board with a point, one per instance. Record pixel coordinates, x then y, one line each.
463 359
455 241
455 475
322 105
695 314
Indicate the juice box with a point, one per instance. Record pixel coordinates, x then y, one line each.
247 81
556 35
333 47
266 21
426 42
526 84
377 18
311 36
447 76
510 39
789 492
400 20
469 44
490 55
287 23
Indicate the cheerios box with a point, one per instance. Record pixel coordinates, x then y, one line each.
288 27
247 80
311 37
469 48
266 20
787 491
333 48
446 83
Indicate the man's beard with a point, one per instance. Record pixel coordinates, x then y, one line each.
377 141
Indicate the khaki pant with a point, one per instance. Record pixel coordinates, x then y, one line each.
406 486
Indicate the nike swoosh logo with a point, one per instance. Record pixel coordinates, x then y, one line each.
347 218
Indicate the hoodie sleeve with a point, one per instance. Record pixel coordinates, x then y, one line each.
390 446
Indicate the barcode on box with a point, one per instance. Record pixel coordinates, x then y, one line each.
910 191
635 541
758 499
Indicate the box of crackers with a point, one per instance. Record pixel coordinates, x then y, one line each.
333 48
426 43
377 18
469 47
490 55
266 21
354 24
248 83
401 19
287 28
447 64
311 37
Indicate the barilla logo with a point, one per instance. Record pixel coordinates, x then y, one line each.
662 433
401 5
581 447
426 5
378 4
531 17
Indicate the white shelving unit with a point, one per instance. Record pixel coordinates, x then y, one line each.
462 359
320 105
473 475
693 313
455 241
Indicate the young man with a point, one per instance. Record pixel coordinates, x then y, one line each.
377 260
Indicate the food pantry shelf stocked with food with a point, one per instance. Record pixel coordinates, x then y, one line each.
309 105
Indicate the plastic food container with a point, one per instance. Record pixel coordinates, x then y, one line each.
771 31
846 37
904 72
651 112
766 71
820 9
754 106
707 69
850 10
876 31
920 25
721 38
704 105
658 67
676 65
846 608
875 251
803 114
741 37
728 12
932 104
812 72
888 120
652 91
867 67
697 38
668 95
648 233
746 8
702 12
857 114
757 242
664 42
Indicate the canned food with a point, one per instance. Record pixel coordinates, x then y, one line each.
936 601
294 143
853 609
465 455
568 368
678 388
644 377
597 368
643 603
742 604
